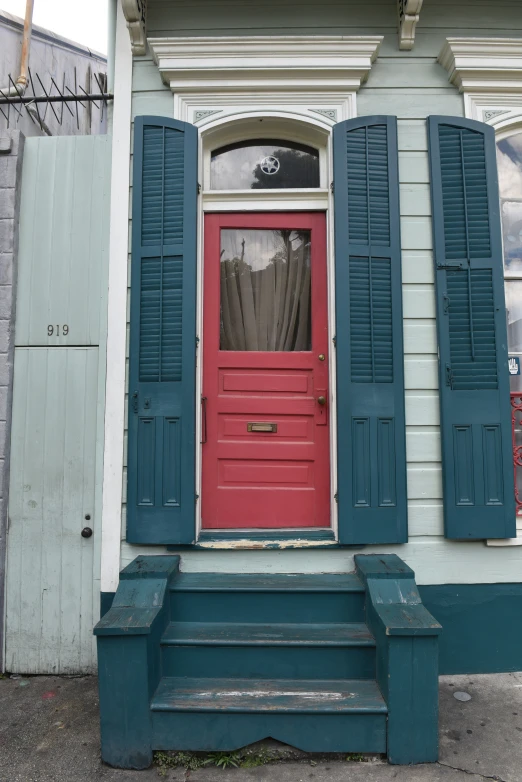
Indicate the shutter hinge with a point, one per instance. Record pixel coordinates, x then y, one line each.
336 497
449 376
332 187
334 340
197 342
452 265
199 189
446 303
196 497
135 401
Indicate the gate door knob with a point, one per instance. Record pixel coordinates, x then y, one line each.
86 532
321 400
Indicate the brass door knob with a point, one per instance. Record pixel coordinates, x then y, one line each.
321 400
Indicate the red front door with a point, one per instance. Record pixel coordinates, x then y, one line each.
265 415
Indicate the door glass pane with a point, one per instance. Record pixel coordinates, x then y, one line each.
265 289
264 165
514 326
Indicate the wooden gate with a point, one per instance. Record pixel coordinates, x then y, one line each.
53 570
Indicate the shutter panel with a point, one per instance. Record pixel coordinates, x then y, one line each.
162 365
370 368
477 459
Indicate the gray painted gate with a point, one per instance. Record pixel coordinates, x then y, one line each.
52 587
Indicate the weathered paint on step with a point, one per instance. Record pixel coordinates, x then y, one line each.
246 695
248 634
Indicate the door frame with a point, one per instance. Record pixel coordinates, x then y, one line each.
285 126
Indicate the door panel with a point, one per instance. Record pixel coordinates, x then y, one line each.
266 449
50 566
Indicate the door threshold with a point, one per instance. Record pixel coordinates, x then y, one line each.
268 539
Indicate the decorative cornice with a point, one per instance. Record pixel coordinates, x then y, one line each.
329 113
409 11
489 114
276 62
135 12
483 64
204 113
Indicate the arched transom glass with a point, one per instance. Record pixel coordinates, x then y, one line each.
264 164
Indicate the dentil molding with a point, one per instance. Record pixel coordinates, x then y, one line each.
483 65
409 11
264 62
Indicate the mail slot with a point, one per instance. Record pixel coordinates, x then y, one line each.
261 426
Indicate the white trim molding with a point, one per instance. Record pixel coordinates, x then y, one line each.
408 11
135 12
114 425
479 65
315 76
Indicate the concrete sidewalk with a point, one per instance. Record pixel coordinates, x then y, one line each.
49 732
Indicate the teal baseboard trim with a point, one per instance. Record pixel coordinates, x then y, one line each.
106 599
482 626
406 637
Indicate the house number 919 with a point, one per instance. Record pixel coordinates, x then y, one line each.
57 331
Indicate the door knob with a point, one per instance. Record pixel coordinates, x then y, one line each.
321 400
86 532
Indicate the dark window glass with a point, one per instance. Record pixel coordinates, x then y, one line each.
264 164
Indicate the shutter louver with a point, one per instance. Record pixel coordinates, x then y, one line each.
477 462
161 453
370 375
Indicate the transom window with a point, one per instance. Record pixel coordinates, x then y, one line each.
509 157
264 164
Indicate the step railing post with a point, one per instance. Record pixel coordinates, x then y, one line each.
406 636
129 662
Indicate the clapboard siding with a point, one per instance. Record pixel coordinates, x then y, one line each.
435 560
410 85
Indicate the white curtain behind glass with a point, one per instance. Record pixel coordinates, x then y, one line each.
265 290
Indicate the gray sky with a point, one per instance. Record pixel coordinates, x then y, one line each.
63 17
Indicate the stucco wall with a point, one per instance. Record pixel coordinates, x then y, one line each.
410 85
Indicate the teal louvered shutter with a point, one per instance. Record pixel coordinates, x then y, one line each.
477 459
371 436
162 361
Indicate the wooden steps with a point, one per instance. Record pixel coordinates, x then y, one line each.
247 696
318 715
214 662
290 650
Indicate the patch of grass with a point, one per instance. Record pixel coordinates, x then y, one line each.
355 758
255 759
224 759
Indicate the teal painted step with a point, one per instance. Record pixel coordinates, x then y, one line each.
288 598
277 651
319 715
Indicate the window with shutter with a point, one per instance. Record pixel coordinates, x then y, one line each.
161 447
474 383
370 375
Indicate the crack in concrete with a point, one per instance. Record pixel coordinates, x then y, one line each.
472 773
